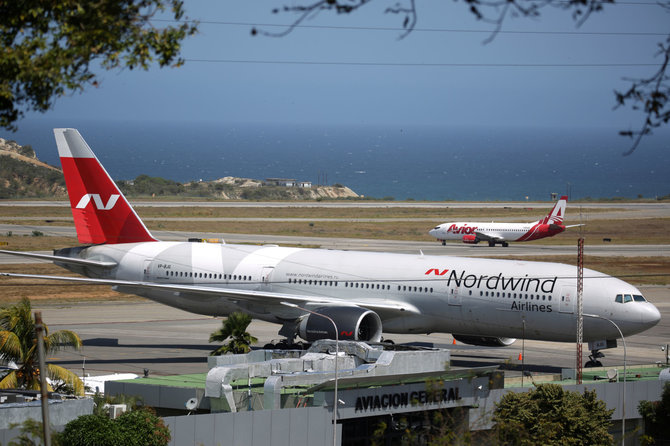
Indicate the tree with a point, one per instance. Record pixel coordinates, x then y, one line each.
550 415
235 328
656 415
47 49
18 344
143 428
89 430
651 95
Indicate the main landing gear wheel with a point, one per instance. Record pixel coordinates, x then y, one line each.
492 244
505 244
591 363
444 243
593 359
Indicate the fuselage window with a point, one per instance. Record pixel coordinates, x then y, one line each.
481 293
431 290
356 284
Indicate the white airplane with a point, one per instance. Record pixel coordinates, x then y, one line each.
478 301
473 233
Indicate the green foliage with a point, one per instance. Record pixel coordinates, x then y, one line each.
136 428
92 430
235 328
18 343
146 185
99 402
47 49
21 179
32 434
143 428
656 415
550 415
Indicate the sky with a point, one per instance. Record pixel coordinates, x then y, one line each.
356 70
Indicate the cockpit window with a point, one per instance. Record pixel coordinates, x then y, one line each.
623 298
437 227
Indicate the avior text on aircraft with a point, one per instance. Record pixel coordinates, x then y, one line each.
366 294
502 233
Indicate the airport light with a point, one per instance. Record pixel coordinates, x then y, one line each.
337 354
623 397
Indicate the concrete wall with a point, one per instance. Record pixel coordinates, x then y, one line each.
283 427
60 413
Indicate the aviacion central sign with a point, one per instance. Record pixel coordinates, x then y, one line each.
415 398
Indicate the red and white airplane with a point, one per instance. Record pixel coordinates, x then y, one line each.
472 232
478 301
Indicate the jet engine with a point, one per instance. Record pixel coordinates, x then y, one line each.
353 324
470 239
486 341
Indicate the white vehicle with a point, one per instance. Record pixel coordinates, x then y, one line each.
479 301
502 233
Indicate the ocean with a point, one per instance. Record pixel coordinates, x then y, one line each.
415 163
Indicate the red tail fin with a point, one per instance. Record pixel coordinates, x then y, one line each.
556 215
101 212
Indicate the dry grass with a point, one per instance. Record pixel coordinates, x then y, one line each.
13 288
530 213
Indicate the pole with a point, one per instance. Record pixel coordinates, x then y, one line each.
337 355
523 350
580 307
39 330
625 372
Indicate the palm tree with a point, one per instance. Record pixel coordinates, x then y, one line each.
235 327
18 343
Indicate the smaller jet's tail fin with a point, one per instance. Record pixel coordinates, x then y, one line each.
101 212
556 215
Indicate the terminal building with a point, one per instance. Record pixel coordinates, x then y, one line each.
385 392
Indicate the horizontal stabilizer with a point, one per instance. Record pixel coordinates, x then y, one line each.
61 259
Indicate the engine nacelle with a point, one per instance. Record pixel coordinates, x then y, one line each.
353 324
486 341
470 239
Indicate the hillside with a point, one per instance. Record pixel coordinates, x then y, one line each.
22 175
229 188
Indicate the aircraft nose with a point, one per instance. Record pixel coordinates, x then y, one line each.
650 315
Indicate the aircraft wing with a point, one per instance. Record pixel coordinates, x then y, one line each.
388 307
488 237
574 226
61 259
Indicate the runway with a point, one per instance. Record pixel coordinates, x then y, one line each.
400 246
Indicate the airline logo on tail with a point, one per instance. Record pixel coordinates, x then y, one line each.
97 201
100 211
